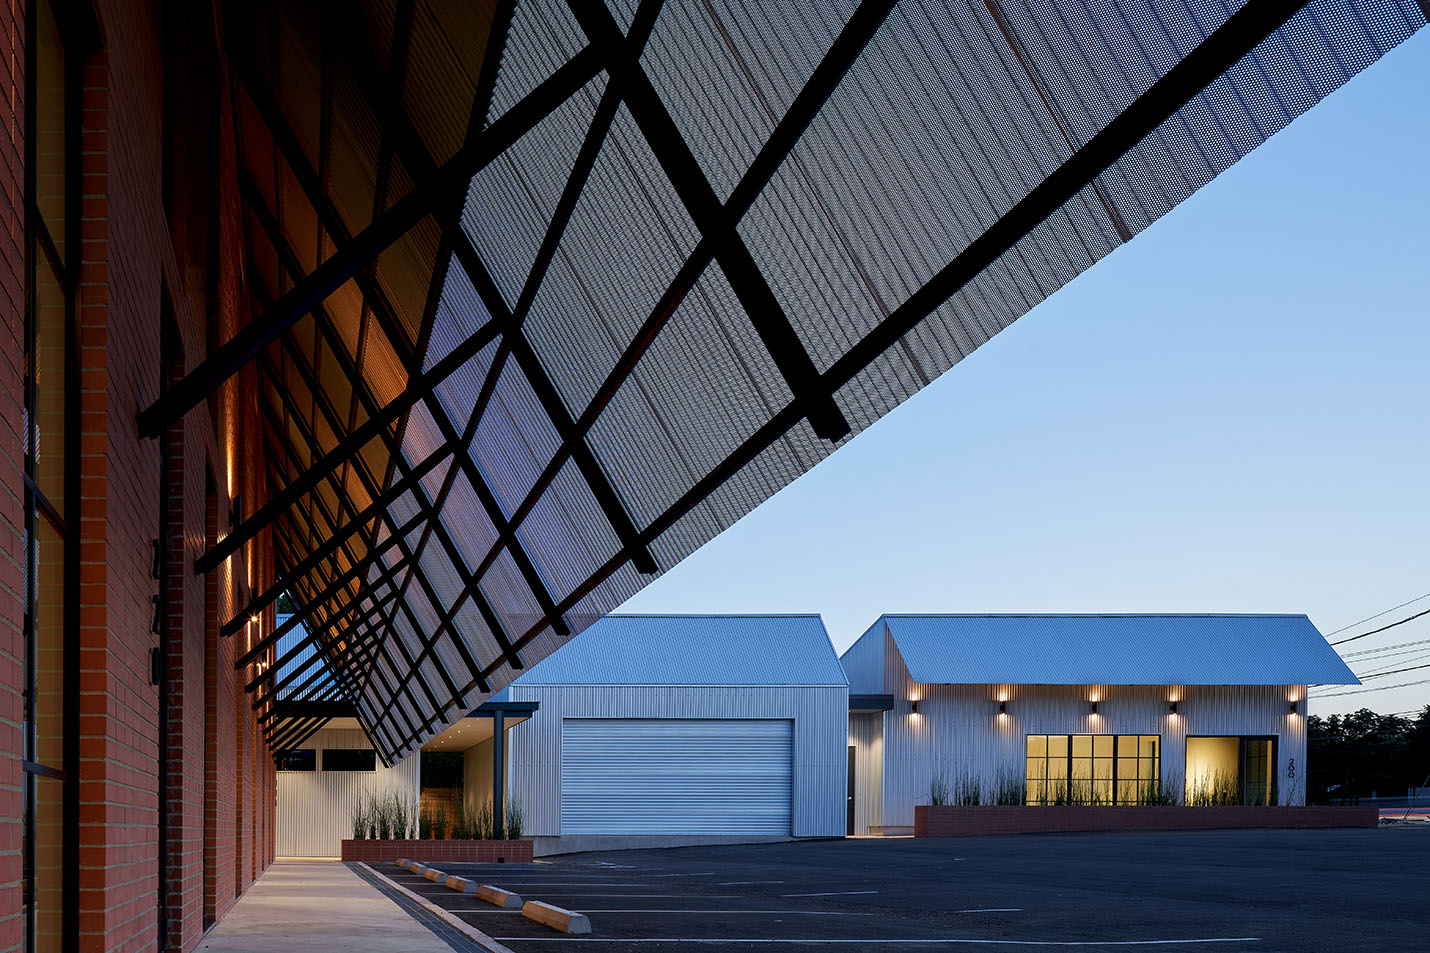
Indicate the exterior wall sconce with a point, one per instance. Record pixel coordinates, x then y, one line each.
235 512
1172 708
1094 709
1002 708
914 707
1293 708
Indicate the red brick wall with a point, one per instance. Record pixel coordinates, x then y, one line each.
213 773
438 852
12 574
957 821
217 778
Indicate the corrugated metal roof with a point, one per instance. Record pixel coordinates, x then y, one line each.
1132 649
694 650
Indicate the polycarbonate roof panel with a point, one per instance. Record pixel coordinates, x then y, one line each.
1137 649
694 650
764 228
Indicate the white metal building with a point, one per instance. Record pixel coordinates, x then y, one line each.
319 784
683 729
1104 708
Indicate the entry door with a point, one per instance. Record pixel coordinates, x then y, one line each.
676 776
1258 766
850 795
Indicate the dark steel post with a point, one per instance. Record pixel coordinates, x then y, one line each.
498 772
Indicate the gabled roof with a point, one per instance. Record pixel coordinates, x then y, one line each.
1131 649
694 650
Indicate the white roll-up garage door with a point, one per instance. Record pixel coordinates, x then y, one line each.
675 776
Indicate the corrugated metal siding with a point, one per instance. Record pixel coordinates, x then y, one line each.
958 729
866 734
477 773
1142 649
676 776
314 812
694 650
863 661
820 715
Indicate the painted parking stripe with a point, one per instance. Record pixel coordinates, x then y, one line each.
471 932
571 883
637 896
882 941
831 893
516 911
792 913
746 883
991 910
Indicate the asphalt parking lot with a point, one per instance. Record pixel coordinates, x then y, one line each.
1338 891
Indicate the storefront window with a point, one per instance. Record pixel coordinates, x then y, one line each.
51 580
1231 769
1093 769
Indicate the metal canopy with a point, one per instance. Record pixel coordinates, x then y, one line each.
545 294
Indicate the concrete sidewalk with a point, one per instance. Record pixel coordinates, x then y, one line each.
298 906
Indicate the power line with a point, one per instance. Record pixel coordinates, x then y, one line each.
1395 671
1376 674
1413 655
1378 688
1376 616
1383 628
1384 649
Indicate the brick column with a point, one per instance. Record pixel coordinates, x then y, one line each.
12 488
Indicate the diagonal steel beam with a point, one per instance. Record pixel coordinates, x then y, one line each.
333 671
329 518
407 660
1220 51
319 654
705 210
310 183
414 154
368 479
334 542
449 184
321 650
297 618
842 53
375 89
371 429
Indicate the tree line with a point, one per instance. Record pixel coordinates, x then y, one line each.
1364 754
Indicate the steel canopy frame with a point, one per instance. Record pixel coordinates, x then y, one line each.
1236 37
291 493
450 182
376 632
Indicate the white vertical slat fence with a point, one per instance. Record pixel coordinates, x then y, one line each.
314 810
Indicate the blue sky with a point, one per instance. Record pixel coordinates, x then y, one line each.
1228 414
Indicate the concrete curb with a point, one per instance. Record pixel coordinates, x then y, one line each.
498 897
434 875
456 923
401 862
558 918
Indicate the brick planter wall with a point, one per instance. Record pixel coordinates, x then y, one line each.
957 821
437 851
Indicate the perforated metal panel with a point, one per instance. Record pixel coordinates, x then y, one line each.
676 776
711 241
